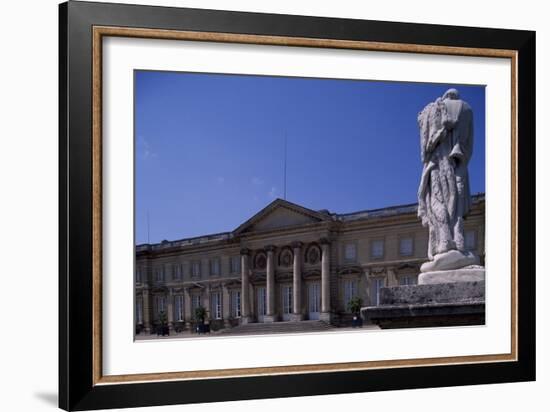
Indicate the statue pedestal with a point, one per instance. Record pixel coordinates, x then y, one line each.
453 259
429 305
472 273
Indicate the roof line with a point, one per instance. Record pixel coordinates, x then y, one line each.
476 195
337 215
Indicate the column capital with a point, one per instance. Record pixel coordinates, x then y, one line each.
269 248
245 251
324 241
297 245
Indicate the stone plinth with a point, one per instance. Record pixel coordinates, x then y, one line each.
429 305
325 317
296 317
246 320
451 260
467 274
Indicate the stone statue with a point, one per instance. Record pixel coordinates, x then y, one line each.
446 143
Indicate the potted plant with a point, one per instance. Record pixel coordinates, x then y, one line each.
354 306
163 328
200 317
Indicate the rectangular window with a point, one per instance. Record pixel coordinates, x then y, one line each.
216 305
350 291
236 303
159 273
139 310
195 302
138 274
161 304
350 252
314 298
196 269
262 307
178 306
287 300
470 240
376 285
176 271
235 264
215 267
377 248
406 246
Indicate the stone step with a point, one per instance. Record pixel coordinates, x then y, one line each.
278 327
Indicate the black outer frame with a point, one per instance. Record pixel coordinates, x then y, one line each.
76 389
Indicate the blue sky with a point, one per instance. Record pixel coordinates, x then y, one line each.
209 148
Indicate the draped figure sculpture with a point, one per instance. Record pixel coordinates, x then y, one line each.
446 145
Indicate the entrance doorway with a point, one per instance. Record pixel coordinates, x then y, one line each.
314 300
287 302
260 291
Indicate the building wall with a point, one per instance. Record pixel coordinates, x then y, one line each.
165 271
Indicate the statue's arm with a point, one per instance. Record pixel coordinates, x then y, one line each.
435 138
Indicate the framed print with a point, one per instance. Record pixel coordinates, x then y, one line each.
258 205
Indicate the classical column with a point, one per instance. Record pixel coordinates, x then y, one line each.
226 305
245 284
170 309
146 311
297 314
392 277
325 280
187 308
367 289
206 302
270 285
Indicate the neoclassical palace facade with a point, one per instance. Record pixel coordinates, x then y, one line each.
286 263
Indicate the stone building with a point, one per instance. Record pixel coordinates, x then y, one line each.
286 263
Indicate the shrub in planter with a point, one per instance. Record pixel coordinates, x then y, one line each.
163 330
200 316
354 306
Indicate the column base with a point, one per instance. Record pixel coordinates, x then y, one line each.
296 317
246 319
325 316
271 318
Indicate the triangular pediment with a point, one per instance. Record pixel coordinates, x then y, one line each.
280 214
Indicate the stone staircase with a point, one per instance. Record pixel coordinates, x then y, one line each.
277 327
